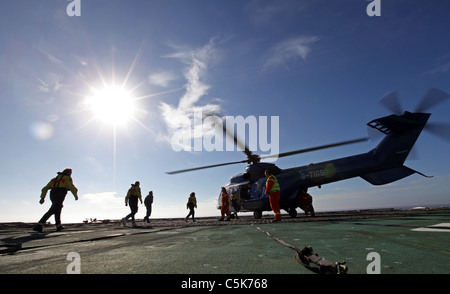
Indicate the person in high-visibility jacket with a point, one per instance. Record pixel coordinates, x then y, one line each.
225 208
273 190
133 195
191 204
58 187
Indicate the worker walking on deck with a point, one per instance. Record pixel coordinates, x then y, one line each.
148 201
273 190
191 204
58 190
133 195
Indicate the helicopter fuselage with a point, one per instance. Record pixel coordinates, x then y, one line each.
251 188
379 166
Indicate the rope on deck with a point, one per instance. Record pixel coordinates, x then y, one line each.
309 259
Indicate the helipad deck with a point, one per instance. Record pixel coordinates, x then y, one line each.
415 242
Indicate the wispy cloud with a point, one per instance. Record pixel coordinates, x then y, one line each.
287 50
162 79
52 58
441 65
178 119
52 85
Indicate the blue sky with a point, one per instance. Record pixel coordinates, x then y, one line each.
320 66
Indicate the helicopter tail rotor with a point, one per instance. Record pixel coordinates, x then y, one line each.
441 130
391 102
431 99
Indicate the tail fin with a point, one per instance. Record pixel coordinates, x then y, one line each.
401 133
390 175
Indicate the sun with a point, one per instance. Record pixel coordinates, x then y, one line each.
112 104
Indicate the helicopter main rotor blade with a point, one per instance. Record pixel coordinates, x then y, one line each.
204 167
271 156
238 143
251 158
316 148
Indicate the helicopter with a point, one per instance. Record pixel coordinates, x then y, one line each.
379 166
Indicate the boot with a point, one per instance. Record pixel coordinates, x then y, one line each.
38 228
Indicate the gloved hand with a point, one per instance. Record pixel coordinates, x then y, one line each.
41 201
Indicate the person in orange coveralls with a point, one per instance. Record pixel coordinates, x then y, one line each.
225 208
273 190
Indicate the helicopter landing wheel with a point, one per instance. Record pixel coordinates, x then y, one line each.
292 212
257 214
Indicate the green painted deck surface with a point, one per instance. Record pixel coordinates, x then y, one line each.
412 243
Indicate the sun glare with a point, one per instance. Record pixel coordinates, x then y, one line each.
112 105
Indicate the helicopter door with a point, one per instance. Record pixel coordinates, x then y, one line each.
244 193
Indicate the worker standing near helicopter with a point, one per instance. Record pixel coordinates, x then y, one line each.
273 190
235 203
306 201
225 209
